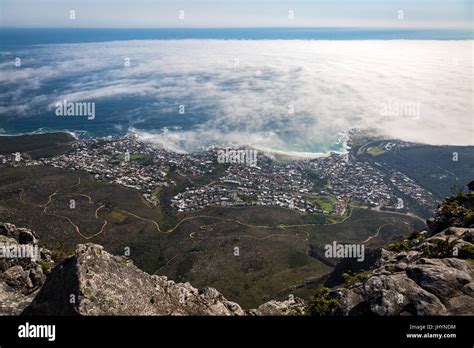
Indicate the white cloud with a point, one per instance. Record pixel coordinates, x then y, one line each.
330 85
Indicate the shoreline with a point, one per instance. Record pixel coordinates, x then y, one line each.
40 132
291 155
281 154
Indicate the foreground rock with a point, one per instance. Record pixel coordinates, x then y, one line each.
294 306
94 282
13 302
20 277
415 283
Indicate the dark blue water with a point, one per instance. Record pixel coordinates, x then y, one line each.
44 49
21 37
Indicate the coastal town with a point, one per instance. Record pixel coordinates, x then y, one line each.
324 185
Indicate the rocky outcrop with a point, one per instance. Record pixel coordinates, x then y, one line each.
94 282
13 302
429 273
415 283
20 277
294 306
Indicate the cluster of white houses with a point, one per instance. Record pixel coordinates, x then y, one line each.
131 163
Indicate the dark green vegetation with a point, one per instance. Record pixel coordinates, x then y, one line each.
436 168
276 247
349 270
375 151
37 145
373 228
247 263
24 192
398 247
369 226
441 248
318 182
361 276
455 211
322 304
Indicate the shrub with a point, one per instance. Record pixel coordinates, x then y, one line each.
466 252
414 235
439 249
321 304
45 266
361 276
398 246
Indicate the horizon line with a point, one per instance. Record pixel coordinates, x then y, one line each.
252 27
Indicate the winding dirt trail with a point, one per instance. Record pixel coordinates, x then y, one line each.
50 200
171 230
387 224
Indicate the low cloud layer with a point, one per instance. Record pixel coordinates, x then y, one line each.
279 95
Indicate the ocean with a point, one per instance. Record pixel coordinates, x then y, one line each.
293 90
11 37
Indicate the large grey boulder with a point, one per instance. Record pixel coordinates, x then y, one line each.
410 283
389 295
24 274
293 306
442 277
20 277
13 302
94 282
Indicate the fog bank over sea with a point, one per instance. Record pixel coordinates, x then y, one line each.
293 96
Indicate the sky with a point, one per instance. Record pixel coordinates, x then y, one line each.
455 14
